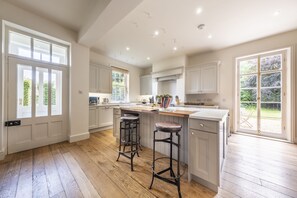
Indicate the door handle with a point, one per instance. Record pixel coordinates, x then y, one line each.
13 123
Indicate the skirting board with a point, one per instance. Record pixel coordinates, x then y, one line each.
100 129
3 154
79 137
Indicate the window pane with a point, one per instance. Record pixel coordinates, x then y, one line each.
41 92
41 50
271 80
59 54
271 118
248 66
248 116
19 44
271 95
56 91
249 81
271 62
248 95
119 86
24 92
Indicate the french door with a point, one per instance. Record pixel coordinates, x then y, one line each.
262 96
37 97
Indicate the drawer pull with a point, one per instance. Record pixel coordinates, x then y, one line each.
202 125
192 133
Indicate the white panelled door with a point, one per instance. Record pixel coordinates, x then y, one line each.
37 96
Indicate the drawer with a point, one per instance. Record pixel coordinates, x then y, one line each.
204 125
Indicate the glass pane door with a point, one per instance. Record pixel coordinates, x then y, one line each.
271 94
24 91
261 95
248 70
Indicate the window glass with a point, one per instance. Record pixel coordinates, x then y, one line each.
59 54
41 101
119 86
19 44
41 50
248 66
24 91
56 91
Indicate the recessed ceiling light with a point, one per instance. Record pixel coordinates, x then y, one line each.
174 48
276 13
156 33
198 10
148 58
209 36
127 48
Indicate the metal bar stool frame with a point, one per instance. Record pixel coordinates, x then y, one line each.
175 179
129 126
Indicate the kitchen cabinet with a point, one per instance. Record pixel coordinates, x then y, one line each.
202 79
146 85
116 122
105 116
203 155
100 79
93 117
207 147
100 116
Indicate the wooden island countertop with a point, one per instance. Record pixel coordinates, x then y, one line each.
169 111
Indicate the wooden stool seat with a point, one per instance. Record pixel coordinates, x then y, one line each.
170 127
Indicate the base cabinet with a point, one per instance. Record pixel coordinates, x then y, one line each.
207 146
100 117
203 155
116 122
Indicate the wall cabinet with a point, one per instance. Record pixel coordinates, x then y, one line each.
146 85
100 116
100 79
203 79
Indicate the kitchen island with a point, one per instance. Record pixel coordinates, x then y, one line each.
203 137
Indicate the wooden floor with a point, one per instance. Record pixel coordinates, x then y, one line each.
254 168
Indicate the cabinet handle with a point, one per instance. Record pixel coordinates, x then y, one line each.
202 125
192 133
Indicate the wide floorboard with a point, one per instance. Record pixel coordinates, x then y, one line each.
254 168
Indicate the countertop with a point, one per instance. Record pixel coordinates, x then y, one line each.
195 113
210 114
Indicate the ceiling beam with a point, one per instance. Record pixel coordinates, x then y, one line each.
107 14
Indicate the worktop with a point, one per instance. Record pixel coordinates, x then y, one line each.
192 112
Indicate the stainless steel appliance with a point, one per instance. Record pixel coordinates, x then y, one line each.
94 100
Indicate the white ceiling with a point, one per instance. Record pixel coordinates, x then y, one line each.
69 13
230 22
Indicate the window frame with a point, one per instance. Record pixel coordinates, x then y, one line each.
126 76
40 38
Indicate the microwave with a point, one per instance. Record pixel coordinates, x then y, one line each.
94 100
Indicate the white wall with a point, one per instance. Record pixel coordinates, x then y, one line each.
227 56
79 71
134 73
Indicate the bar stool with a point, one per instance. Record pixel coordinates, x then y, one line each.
168 127
129 137
138 129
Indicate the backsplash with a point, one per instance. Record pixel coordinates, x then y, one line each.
101 96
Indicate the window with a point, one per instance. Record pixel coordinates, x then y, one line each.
33 48
119 85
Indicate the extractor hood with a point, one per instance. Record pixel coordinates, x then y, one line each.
170 74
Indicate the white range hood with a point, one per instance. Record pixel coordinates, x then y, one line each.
166 75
